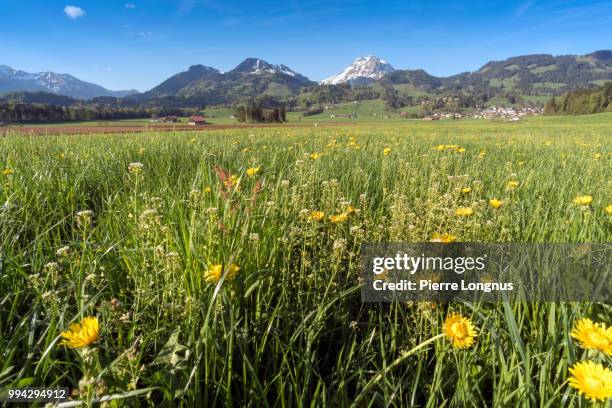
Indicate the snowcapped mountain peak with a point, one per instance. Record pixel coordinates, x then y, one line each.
6 70
362 71
258 67
51 78
13 80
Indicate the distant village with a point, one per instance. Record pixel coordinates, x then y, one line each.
493 112
512 114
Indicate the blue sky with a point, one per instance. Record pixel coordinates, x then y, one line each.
137 43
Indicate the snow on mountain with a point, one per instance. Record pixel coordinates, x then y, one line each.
56 82
362 71
6 70
258 67
12 80
251 78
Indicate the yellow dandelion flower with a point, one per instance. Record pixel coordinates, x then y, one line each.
440 147
387 151
460 330
593 336
207 189
609 209
464 212
446 238
252 171
81 334
7 172
466 190
214 273
512 184
332 144
495 203
316 215
583 200
461 150
315 156
233 271
338 218
592 380
349 209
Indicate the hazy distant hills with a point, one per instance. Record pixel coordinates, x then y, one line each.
13 80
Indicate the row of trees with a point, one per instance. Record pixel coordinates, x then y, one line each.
36 113
582 102
437 98
259 111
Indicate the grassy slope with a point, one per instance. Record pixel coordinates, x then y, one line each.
367 111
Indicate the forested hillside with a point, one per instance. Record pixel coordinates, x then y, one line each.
582 102
38 113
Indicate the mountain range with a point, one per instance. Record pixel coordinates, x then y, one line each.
535 75
538 74
252 77
13 80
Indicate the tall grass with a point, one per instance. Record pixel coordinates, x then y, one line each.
290 330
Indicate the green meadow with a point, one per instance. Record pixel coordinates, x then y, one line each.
222 267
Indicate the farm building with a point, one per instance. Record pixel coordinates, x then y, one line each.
170 119
197 120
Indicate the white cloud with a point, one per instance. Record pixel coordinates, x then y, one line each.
130 6
74 12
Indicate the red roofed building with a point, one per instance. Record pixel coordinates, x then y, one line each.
197 120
